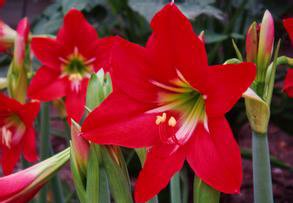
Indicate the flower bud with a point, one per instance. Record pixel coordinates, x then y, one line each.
17 73
23 185
7 36
80 147
251 43
266 41
21 42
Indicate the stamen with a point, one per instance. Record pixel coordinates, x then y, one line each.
170 88
90 61
6 137
172 122
161 119
63 60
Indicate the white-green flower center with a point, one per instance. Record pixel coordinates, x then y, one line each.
181 107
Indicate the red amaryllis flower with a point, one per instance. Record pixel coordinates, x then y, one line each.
167 98
288 86
68 62
288 24
17 134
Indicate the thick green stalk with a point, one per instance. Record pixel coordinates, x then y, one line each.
262 180
175 188
44 150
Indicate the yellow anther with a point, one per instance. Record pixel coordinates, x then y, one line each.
161 119
172 121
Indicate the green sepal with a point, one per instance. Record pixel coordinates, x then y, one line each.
257 111
95 92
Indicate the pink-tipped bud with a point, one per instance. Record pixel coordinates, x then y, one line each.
23 185
21 41
201 36
266 41
251 43
80 147
7 36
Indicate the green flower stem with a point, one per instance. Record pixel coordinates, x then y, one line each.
262 180
44 150
175 188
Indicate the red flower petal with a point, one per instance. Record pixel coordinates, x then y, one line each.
29 112
288 23
215 156
48 51
174 45
226 84
75 101
119 120
8 103
9 158
156 173
288 83
29 145
76 32
131 71
47 85
103 50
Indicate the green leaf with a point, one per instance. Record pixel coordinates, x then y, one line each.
175 188
238 53
92 186
78 183
104 187
77 4
141 153
190 9
204 193
118 182
215 37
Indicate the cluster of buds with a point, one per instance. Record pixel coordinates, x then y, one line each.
259 49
